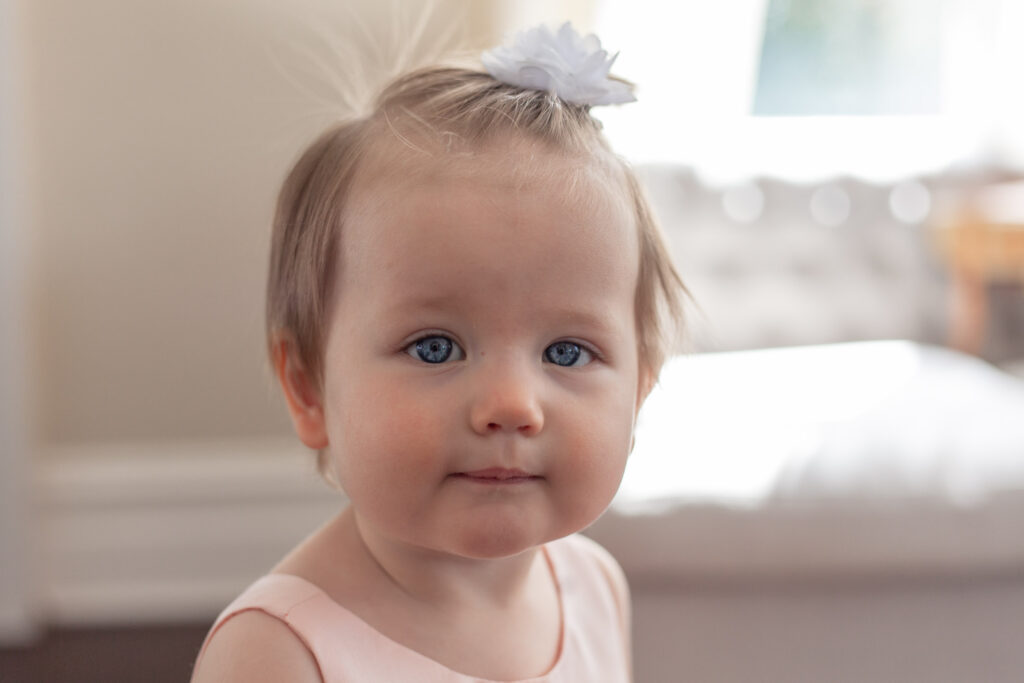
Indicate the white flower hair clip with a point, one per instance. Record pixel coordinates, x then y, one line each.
571 66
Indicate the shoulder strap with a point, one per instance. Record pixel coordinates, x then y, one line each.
276 595
596 601
344 646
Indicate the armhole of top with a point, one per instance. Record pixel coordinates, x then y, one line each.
281 619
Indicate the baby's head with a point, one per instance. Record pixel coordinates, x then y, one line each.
468 301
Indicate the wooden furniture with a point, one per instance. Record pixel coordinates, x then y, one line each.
984 245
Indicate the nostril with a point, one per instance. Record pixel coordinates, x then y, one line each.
495 427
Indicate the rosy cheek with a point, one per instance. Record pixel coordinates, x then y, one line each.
396 428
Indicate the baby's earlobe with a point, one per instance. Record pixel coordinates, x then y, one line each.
301 396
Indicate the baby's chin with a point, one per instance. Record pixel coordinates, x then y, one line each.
498 541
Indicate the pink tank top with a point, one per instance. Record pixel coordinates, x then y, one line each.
594 646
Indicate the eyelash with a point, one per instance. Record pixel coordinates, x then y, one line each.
445 347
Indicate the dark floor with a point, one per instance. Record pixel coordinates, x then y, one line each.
154 654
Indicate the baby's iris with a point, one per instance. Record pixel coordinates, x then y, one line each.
563 353
434 349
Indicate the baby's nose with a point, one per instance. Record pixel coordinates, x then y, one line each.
507 401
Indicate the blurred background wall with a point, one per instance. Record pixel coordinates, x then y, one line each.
14 384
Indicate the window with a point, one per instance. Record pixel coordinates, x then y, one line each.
805 89
850 58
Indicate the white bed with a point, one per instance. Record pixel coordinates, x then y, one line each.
845 512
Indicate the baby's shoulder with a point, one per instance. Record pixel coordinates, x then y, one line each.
254 647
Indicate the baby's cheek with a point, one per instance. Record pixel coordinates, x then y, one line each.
396 430
594 462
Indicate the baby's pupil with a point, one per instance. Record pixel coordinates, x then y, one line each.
434 349
563 353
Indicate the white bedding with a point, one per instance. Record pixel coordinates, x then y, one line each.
857 420
849 458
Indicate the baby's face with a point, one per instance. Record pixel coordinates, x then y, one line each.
481 374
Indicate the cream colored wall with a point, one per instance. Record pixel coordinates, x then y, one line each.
159 133
16 500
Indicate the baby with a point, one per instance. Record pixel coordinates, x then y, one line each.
468 303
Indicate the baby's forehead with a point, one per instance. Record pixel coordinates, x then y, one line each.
490 191
515 162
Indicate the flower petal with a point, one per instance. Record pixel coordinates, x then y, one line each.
573 67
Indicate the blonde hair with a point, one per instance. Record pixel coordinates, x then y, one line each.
437 105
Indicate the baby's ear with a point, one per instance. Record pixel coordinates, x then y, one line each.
305 404
646 382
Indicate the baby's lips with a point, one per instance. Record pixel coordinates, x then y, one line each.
497 473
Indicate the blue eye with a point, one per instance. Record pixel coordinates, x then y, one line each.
435 349
567 354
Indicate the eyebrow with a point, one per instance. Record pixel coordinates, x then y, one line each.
583 318
421 303
571 316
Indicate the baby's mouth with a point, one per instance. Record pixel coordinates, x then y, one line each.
497 475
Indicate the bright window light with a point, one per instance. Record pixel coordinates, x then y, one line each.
916 86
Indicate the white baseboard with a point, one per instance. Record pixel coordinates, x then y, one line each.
157 532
